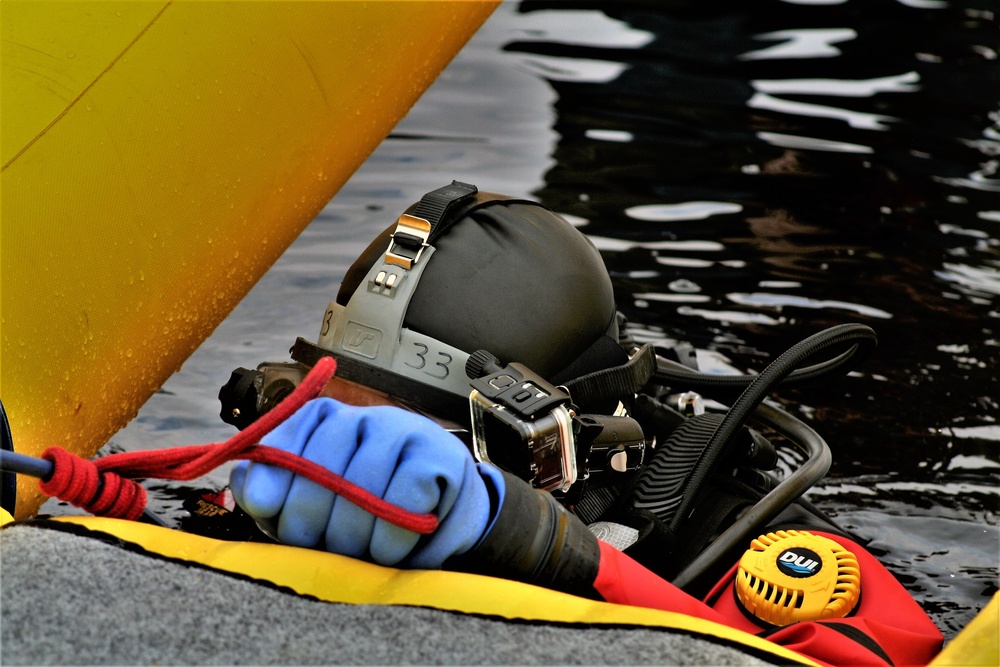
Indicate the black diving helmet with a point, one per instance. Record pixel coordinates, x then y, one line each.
491 312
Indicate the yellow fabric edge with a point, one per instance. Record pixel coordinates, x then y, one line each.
978 643
334 578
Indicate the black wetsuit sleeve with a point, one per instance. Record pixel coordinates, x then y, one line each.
535 540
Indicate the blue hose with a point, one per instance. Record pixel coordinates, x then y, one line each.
11 462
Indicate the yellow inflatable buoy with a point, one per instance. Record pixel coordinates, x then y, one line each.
157 158
978 643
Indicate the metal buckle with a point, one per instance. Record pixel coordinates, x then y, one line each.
408 241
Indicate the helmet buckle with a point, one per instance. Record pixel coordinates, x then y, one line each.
408 241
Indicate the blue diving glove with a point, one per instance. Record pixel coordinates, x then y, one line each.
399 456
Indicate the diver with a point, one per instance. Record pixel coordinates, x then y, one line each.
485 375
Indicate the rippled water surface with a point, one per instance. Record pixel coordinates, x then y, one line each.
751 177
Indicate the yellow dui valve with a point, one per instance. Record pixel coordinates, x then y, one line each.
792 575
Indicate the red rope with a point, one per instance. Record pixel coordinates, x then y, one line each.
104 486
78 481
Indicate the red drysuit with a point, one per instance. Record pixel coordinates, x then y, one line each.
887 627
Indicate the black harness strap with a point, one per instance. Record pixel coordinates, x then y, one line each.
434 205
616 382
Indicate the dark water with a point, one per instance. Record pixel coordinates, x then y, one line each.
752 173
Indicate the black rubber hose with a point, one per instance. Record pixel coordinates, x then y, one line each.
672 374
859 336
818 461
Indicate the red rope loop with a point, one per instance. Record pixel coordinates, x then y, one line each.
78 481
100 486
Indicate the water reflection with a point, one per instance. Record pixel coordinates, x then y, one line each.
753 175
807 43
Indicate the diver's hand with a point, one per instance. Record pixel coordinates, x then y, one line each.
404 458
